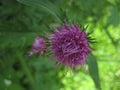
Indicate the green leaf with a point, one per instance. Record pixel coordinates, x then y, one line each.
93 70
2 84
15 87
114 17
45 5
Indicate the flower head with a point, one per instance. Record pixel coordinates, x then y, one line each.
70 45
38 46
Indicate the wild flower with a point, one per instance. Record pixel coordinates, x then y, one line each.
38 46
70 45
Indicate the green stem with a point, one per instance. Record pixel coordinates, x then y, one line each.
26 69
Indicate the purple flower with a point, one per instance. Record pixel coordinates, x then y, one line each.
38 46
70 45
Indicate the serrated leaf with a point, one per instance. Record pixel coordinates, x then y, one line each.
93 70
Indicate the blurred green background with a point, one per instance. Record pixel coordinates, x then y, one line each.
22 20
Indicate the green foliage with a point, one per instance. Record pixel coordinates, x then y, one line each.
93 70
22 20
45 5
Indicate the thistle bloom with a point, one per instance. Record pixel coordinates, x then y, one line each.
70 45
38 46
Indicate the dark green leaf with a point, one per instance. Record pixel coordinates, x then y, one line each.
93 70
46 5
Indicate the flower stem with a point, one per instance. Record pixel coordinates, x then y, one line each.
26 69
